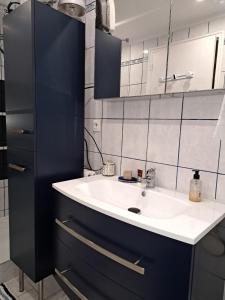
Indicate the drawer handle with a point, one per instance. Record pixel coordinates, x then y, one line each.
70 285
101 250
17 168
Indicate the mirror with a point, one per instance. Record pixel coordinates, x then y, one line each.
196 53
143 30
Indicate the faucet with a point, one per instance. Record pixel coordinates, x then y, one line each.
150 178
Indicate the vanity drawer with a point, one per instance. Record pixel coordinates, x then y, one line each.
130 270
87 280
20 131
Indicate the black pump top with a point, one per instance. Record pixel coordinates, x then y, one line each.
196 175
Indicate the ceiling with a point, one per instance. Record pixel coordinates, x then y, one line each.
150 18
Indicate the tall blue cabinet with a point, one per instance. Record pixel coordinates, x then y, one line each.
44 70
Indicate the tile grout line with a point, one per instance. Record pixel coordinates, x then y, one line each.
147 147
218 167
121 153
179 145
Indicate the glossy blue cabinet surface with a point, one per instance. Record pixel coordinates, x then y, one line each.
44 67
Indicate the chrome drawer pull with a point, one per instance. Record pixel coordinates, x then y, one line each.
99 249
17 168
70 285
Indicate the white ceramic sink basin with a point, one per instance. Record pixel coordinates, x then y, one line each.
126 196
163 212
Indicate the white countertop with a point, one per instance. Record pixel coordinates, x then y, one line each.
189 222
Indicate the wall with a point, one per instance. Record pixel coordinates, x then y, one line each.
172 133
3 168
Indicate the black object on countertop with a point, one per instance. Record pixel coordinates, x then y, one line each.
132 180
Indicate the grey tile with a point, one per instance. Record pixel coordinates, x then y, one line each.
125 76
163 141
136 73
199 149
166 107
93 108
208 183
165 175
202 107
132 165
135 90
137 108
89 66
96 135
135 139
137 50
221 189
112 136
113 109
1 184
90 29
124 91
126 52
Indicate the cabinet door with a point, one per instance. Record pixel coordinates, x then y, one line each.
21 210
196 56
107 65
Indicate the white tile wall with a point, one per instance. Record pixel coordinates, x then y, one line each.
177 134
163 141
198 147
135 131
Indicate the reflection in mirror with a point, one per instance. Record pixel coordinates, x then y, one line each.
196 52
143 29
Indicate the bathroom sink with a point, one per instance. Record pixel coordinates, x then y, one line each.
126 196
164 212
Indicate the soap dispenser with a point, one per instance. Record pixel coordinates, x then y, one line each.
195 194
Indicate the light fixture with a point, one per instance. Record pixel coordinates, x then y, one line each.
73 8
200 0
145 51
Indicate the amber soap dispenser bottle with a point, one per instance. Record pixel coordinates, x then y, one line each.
195 194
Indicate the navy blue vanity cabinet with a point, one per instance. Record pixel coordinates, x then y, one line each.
143 264
44 69
107 65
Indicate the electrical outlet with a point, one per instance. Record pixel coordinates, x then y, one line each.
97 125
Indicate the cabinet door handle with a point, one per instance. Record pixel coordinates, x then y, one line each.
70 285
132 266
21 131
17 168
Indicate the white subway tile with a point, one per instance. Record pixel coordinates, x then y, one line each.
93 108
221 189
135 90
137 51
135 139
125 76
113 109
136 73
180 35
96 135
165 175
137 108
124 91
126 53
166 107
202 107
199 30
208 183
95 160
89 66
112 136
222 158
90 29
199 148
163 141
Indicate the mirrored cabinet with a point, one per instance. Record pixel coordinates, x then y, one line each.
162 46
196 53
